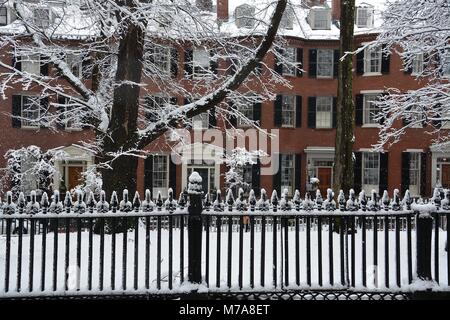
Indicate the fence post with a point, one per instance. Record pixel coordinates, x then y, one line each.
423 241
195 228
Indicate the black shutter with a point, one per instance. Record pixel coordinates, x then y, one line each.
334 113
17 63
298 111
172 175
299 73
174 101
405 171
405 121
359 107
278 67
212 118
335 63
257 112
278 111
16 111
437 123
298 171
384 161
385 62
423 174
360 63
43 104
213 64
174 62
357 176
256 176
60 110
188 56
276 183
311 112
152 111
44 66
148 174
312 70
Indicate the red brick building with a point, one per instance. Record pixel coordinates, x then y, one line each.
304 115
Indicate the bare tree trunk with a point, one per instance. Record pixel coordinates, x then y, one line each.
343 157
123 124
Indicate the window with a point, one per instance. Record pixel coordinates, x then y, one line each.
161 58
30 111
417 64
364 17
3 16
247 110
325 63
370 109
31 64
414 173
160 170
320 19
287 173
287 20
244 16
201 61
290 54
71 114
371 172
372 60
200 121
417 116
154 106
288 111
74 62
41 17
324 113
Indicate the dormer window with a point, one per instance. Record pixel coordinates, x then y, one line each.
364 17
320 18
287 20
3 16
41 17
244 16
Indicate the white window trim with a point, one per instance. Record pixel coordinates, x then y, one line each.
370 21
419 178
368 187
332 65
294 112
71 129
364 93
163 190
366 60
285 72
50 16
312 18
331 113
416 73
206 72
24 59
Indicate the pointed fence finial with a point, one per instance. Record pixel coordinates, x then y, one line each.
395 204
44 202
385 200
297 200
318 200
136 202
363 200
341 200
252 200
437 198
68 202
114 202
147 204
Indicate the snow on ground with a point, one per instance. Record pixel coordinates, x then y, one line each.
375 274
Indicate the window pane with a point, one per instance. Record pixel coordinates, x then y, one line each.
364 17
31 64
200 121
370 168
414 169
161 58
3 16
324 63
288 111
323 112
290 54
417 64
287 173
42 17
30 111
373 60
160 171
370 109
247 111
321 19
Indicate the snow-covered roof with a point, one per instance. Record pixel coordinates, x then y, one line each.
77 23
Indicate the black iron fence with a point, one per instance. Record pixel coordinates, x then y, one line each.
278 245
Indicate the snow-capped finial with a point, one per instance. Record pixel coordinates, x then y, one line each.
136 202
44 202
252 200
274 200
446 200
437 198
363 200
318 200
170 203
91 202
341 200
329 204
79 205
218 205
351 202
395 204
159 201
195 183
147 204
407 200
385 200
297 200
114 201
68 202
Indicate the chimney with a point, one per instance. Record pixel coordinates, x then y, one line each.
222 10
336 10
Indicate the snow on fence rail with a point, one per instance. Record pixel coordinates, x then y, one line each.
87 245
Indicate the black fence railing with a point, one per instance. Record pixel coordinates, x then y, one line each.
66 247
